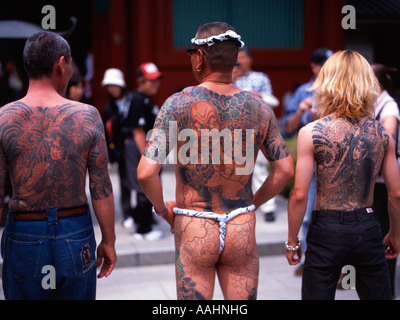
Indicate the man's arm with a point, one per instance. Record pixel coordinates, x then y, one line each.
390 123
106 255
390 173
139 135
282 168
102 197
148 173
299 194
280 175
294 122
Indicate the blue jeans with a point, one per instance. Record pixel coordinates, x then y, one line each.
53 259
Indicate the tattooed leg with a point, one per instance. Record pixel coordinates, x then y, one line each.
239 263
197 253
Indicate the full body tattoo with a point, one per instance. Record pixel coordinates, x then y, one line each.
48 150
216 187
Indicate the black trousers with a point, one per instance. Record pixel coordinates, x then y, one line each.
339 238
142 213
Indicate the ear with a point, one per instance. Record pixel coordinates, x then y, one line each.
62 73
61 64
201 60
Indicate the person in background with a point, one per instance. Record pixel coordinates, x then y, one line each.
140 119
258 84
75 88
387 112
114 113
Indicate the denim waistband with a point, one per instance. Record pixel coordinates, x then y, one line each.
47 210
342 215
50 215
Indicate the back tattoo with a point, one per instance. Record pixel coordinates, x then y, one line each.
348 157
48 150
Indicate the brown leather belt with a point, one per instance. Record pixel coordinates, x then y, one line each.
62 213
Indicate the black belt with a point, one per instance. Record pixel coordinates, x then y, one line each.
41 215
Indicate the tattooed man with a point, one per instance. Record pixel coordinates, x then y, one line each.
213 216
48 143
349 149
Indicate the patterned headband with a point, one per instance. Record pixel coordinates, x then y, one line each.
221 37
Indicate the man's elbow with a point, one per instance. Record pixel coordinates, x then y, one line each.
143 175
145 172
394 195
142 172
298 195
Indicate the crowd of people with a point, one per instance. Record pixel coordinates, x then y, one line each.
345 198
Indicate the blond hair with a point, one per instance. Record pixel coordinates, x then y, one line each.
346 86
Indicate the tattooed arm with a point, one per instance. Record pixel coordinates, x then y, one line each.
299 195
391 176
102 197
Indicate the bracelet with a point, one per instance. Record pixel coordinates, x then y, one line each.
160 213
291 248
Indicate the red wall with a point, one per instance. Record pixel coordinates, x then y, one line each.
136 31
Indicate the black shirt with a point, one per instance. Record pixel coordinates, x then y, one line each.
142 114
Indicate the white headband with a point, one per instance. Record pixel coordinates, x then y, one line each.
221 37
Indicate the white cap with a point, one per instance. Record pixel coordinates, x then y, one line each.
115 77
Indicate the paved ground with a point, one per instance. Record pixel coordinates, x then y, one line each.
277 282
145 270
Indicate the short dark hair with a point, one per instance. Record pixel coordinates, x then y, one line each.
222 56
41 52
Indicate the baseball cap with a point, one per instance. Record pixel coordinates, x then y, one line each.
149 71
320 55
115 77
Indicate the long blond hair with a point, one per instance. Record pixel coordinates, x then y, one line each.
346 86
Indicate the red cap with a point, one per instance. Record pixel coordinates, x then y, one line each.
149 70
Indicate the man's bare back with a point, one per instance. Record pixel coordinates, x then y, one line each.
210 184
349 157
48 150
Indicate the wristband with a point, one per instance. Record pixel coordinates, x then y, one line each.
291 248
160 213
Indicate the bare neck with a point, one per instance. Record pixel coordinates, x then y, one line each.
42 92
217 77
221 83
